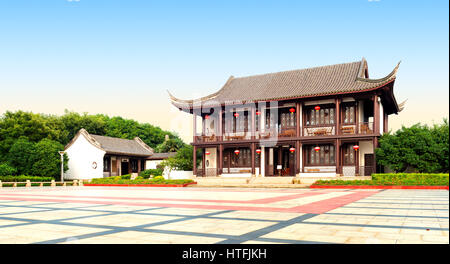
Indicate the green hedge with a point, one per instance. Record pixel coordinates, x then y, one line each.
391 179
23 178
157 180
147 173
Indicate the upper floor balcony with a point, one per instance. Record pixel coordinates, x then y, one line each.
289 121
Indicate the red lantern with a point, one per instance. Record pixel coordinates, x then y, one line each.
237 152
258 113
317 108
292 150
356 147
206 116
292 110
258 151
207 153
236 114
317 149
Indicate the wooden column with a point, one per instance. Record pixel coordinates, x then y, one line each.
220 126
357 117
356 162
204 162
376 115
118 166
220 160
375 145
252 149
194 126
297 118
297 157
338 116
385 123
337 156
253 120
194 158
139 165
280 152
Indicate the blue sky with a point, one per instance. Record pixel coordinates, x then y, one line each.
120 57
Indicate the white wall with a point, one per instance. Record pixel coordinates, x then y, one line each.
365 147
151 164
211 159
82 155
177 175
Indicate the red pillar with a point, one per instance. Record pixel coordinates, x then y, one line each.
376 115
338 156
194 158
338 116
253 149
297 118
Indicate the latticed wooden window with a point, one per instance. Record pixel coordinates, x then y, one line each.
324 157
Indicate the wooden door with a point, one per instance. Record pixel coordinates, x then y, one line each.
369 166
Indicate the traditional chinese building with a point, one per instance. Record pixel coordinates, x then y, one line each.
94 156
322 121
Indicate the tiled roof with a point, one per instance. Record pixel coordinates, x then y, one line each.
310 82
161 156
114 145
118 146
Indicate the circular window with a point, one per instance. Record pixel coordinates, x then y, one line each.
94 165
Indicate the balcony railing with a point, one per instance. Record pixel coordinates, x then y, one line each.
289 132
359 128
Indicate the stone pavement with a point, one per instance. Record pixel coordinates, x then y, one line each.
129 215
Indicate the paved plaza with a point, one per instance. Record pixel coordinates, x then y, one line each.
148 215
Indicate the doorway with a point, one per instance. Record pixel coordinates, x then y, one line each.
280 161
125 167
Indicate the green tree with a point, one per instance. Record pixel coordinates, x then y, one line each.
170 145
183 160
419 148
20 155
46 160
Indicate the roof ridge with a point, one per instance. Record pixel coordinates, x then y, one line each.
302 69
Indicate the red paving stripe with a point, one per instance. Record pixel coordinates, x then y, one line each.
255 201
326 205
315 207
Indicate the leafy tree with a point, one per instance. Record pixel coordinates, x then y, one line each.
20 155
170 145
34 127
46 160
419 147
183 160
7 170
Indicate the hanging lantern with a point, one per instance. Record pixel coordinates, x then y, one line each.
206 116
292 110
207 152
317 108
356 147
236 114
237 152
292 150
258 113
317 149
258 151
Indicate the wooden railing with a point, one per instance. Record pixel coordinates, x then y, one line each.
289 132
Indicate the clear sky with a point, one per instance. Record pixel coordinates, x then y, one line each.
119 57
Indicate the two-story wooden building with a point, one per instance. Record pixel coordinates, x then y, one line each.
321 121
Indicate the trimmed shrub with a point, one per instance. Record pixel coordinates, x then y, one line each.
392 179
147 173
139 180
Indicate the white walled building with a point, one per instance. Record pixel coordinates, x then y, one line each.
94 156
